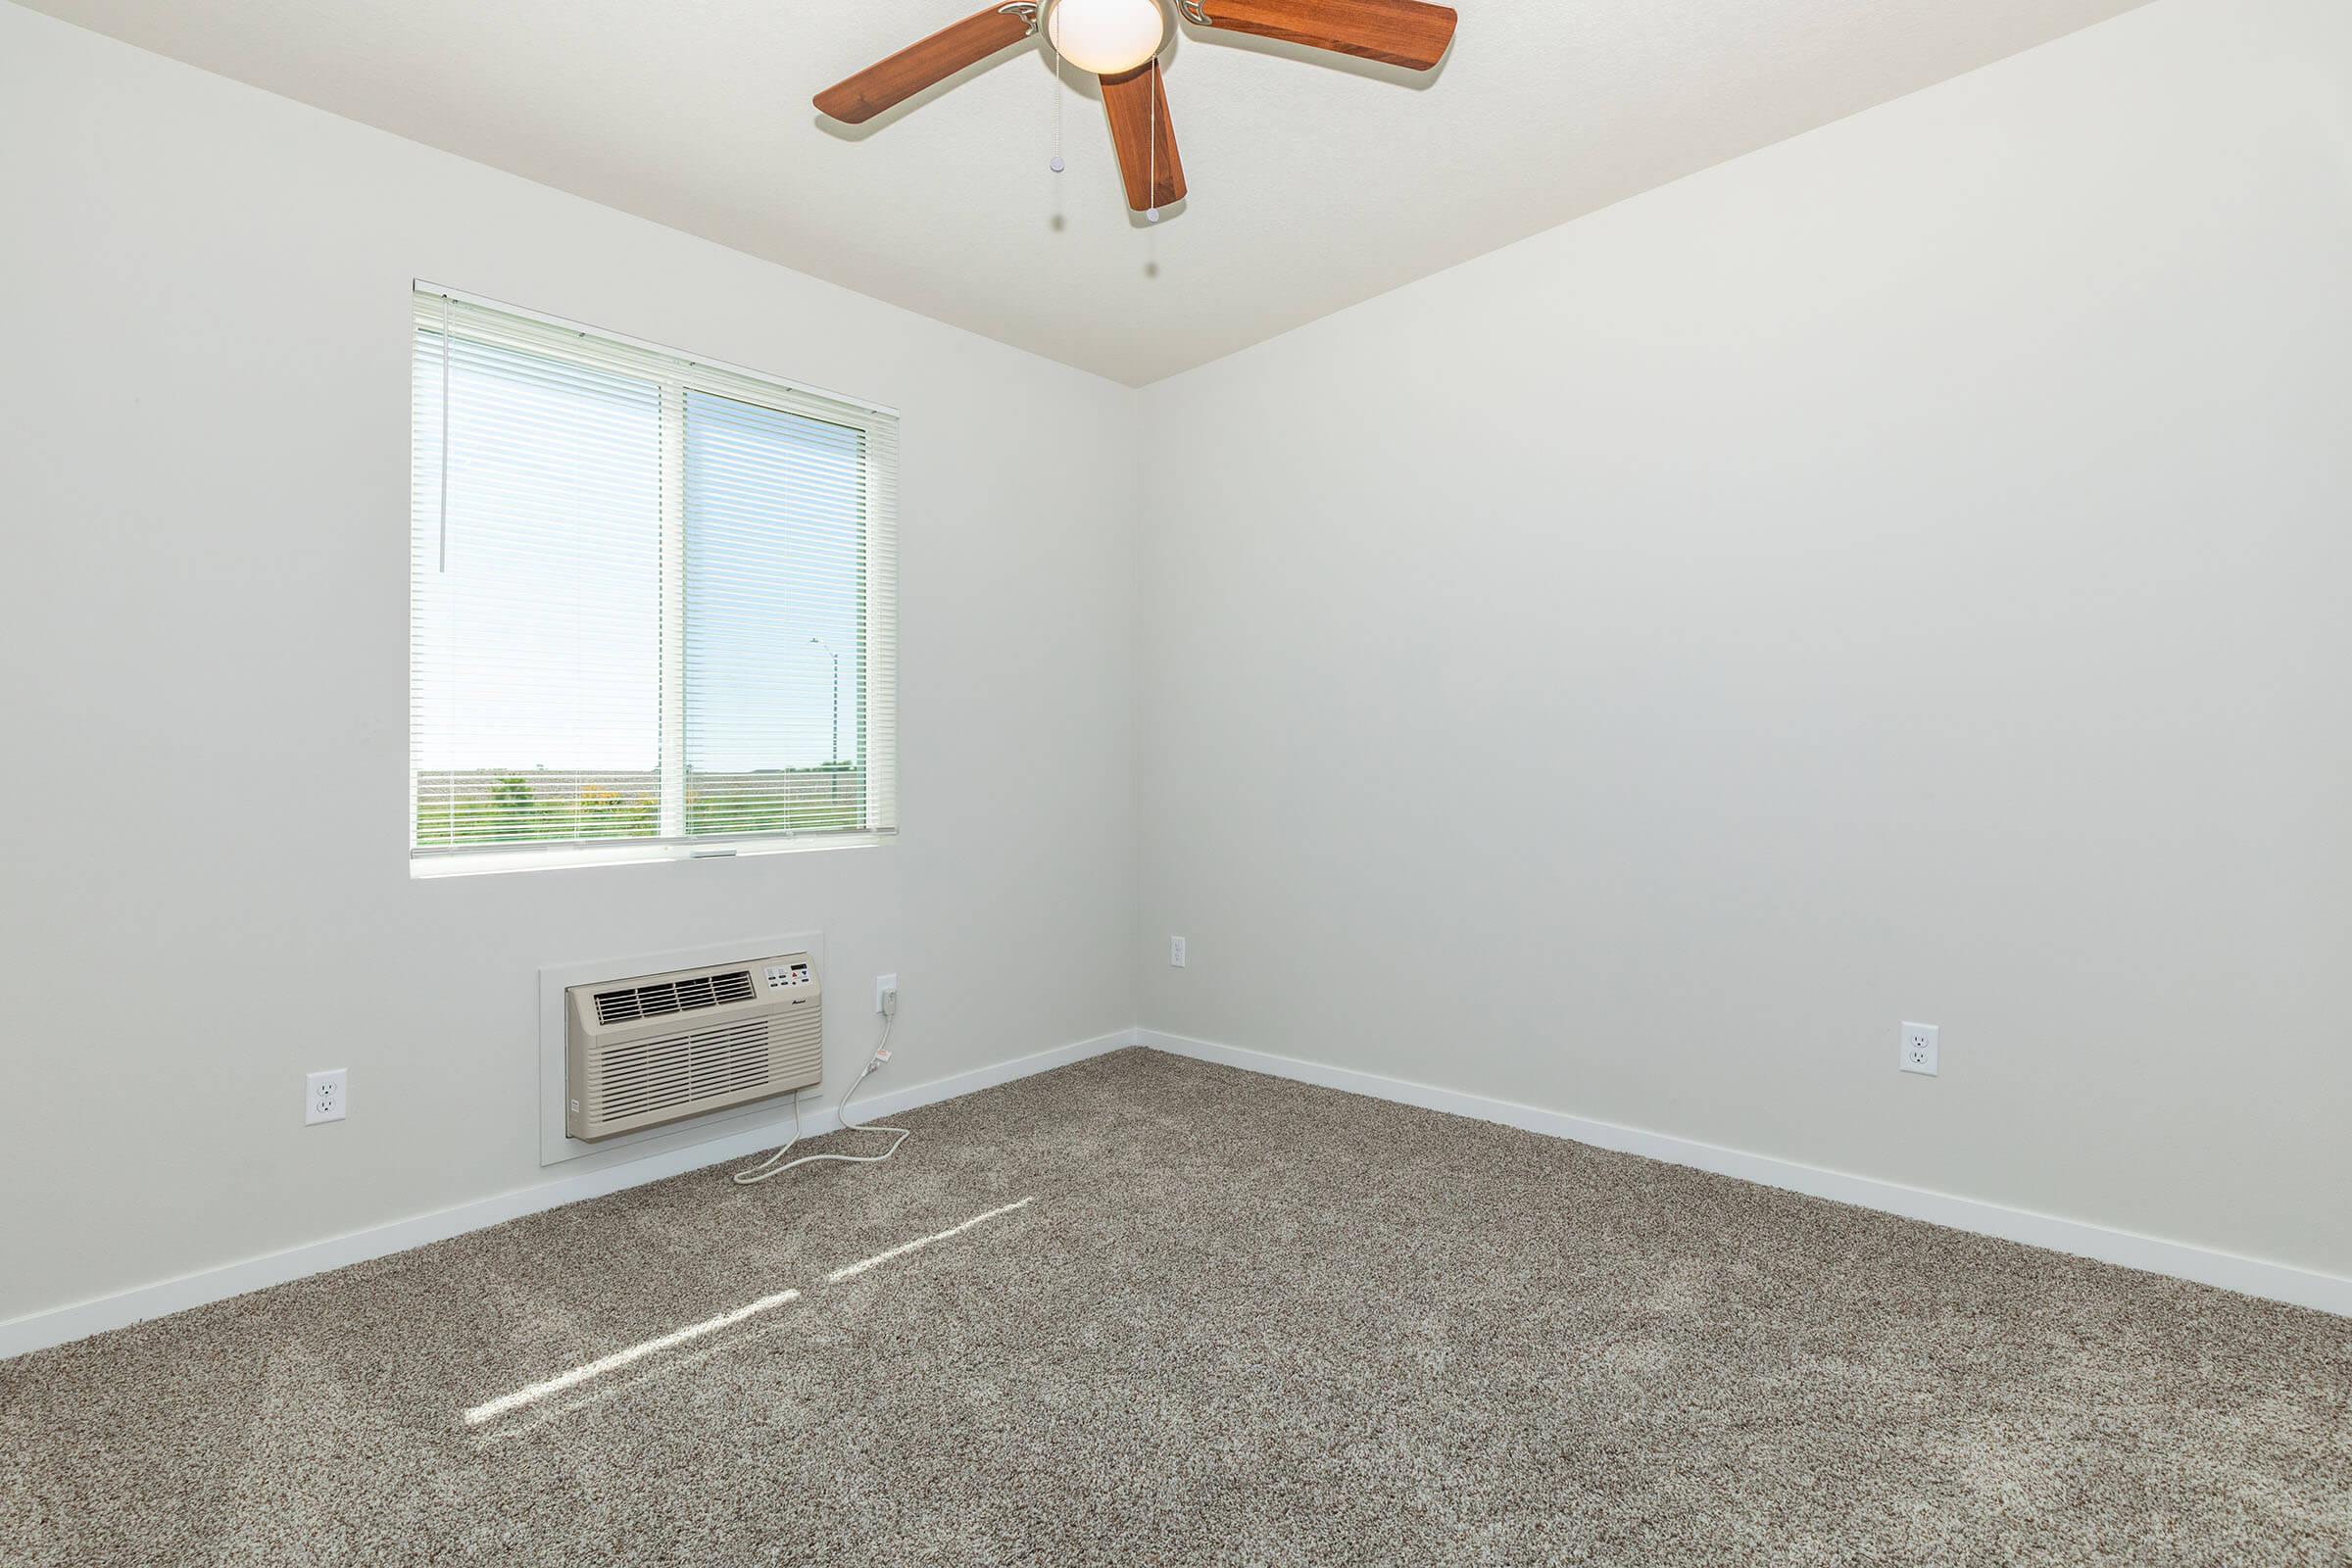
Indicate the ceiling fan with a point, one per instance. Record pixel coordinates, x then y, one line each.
1119 41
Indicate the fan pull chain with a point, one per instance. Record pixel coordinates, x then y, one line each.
1054 163
1152 153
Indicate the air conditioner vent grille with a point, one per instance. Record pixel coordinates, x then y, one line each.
663 996
654 1048
646 1076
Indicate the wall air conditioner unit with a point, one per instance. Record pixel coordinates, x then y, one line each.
659 1047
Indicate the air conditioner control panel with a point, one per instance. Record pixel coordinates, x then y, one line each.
790 974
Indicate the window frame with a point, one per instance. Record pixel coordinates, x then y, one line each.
677 373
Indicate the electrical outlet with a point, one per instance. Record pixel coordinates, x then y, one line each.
1175 952
886 986
1919 1048
325 1096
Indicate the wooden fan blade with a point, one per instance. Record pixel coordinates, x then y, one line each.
1401 32
1138 106
937 57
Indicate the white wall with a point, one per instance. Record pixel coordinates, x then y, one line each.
1899 575
204 470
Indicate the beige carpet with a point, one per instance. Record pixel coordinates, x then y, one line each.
1238 1321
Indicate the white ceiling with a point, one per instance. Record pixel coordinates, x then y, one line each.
1316 181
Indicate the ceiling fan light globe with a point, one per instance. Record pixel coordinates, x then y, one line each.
1107 37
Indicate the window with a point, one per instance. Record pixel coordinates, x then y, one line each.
653 602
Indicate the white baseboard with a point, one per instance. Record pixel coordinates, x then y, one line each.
2250 1276
58 1325
2278 1282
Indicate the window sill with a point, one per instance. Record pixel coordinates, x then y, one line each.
498 863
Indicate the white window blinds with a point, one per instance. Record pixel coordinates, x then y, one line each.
653 599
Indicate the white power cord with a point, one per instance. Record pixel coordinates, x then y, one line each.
841 1113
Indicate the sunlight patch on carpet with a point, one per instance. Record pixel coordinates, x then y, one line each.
508 1403
852 1270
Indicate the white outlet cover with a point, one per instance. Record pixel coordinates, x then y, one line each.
325 1096
1175 952
1919 1048
884 985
